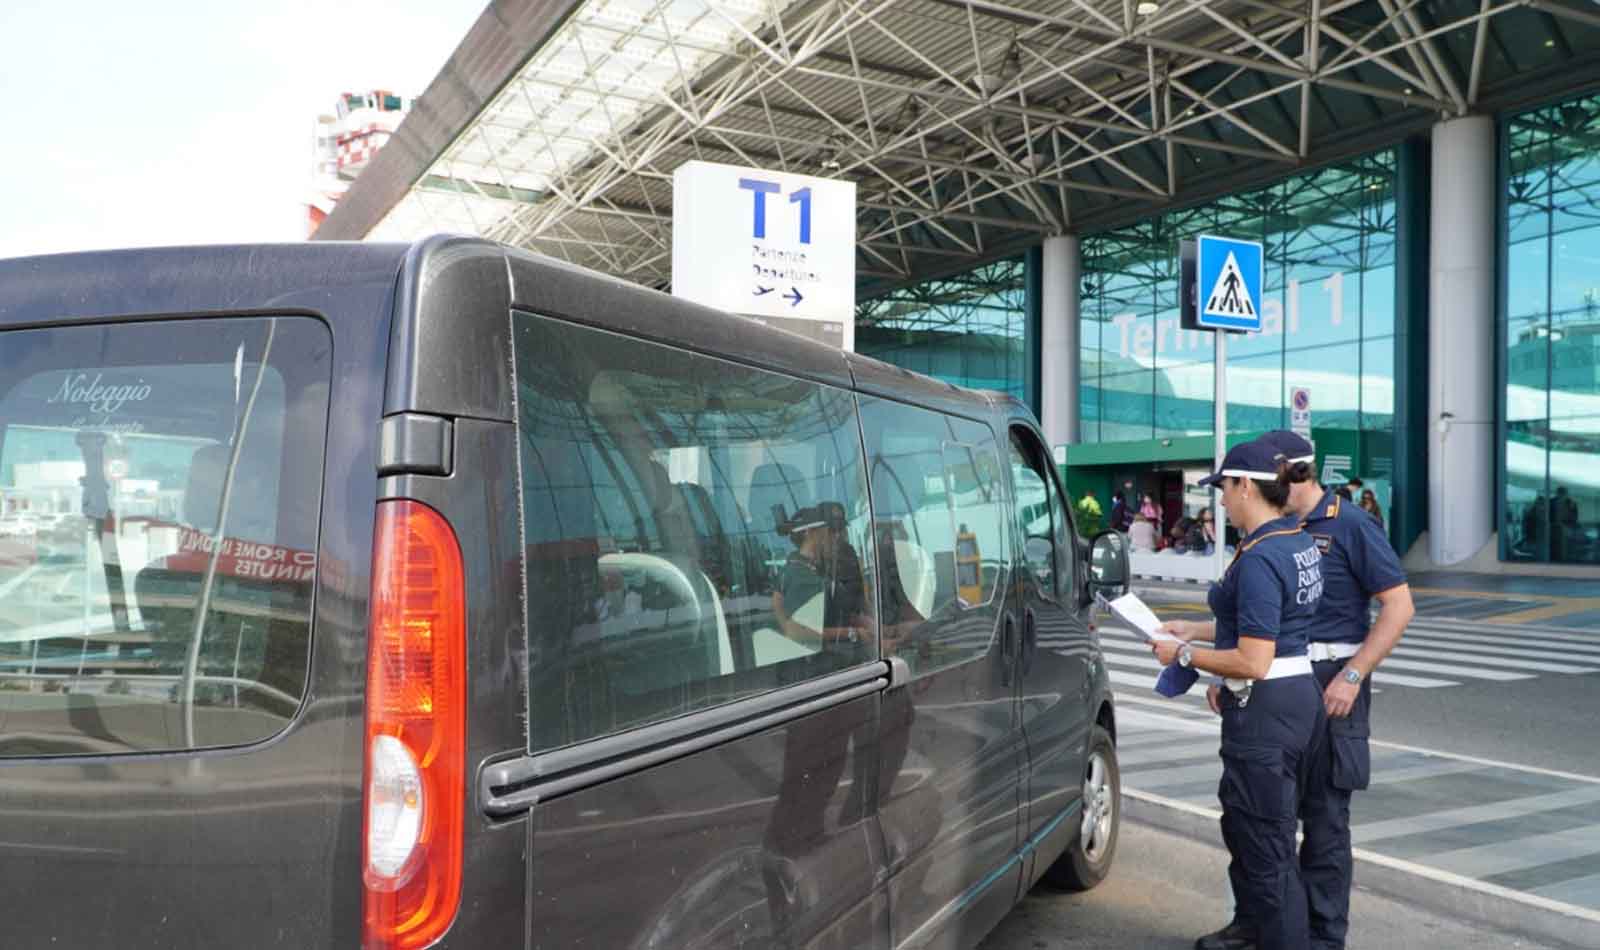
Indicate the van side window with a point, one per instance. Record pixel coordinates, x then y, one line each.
160 484
1042 516
939 512
695 531
1065 538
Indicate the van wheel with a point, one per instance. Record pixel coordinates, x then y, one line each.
1087 859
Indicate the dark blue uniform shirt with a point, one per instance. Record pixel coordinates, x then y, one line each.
1357 564
1270 591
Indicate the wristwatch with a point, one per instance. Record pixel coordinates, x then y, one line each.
1352 676
1186 656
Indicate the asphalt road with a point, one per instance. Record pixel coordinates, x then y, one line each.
1548 723
1542 715
1165 890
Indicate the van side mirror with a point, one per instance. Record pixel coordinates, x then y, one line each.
1108 565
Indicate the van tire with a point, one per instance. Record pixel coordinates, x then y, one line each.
1081 867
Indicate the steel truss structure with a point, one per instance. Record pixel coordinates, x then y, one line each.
971 127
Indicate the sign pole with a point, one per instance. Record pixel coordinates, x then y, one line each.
1220 422
1232 270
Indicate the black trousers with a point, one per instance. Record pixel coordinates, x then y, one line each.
1340 766
1267 745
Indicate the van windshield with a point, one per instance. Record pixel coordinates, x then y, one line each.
159 485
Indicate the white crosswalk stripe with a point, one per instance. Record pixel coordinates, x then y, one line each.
1514 663
1434 654
1398 661
1414 640
1121 678
1510 631
1505 640
1429 657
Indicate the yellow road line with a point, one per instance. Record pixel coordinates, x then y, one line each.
1482 594
1562 608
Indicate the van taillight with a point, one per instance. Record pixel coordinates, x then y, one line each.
415 791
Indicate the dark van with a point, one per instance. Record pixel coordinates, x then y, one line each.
384 596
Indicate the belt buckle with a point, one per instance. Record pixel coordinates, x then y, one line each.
1240 692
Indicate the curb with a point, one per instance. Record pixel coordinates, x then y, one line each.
1489 905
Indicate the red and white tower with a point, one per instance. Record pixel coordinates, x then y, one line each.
346 142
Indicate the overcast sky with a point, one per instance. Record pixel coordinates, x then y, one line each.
188 121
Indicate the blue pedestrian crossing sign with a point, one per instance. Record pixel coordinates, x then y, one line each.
1229 285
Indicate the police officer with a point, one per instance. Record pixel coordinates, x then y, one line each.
1271 708
1357 565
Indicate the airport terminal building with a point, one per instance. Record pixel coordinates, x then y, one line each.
1424 178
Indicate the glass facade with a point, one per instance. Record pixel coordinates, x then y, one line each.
1550 504
969 329
1328 312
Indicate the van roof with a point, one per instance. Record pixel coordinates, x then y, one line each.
95 285
355 283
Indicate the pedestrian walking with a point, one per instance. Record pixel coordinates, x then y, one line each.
1089 514
1272 711
1121 514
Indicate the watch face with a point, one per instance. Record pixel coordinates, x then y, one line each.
1352 676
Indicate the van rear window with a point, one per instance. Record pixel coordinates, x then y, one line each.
159 491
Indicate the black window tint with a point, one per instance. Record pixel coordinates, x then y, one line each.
972 473
150 469
1066 547
939 519
1038 513
696 531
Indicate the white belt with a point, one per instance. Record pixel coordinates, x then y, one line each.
1324 652
1281 667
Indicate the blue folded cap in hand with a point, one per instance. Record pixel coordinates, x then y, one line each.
1176 680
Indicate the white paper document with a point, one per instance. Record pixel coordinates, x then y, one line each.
1132 611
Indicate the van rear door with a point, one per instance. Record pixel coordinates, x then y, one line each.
172 773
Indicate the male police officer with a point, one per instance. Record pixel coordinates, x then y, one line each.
1357 565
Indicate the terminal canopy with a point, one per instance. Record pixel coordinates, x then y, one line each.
971 127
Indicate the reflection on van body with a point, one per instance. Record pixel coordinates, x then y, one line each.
702 635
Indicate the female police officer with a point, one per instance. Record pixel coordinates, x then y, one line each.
1357 565
1271 707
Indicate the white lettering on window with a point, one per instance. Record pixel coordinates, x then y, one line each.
1272 317
1122 322
79 388
1334 286
1142 338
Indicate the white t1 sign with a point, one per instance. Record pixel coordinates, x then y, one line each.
767 244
